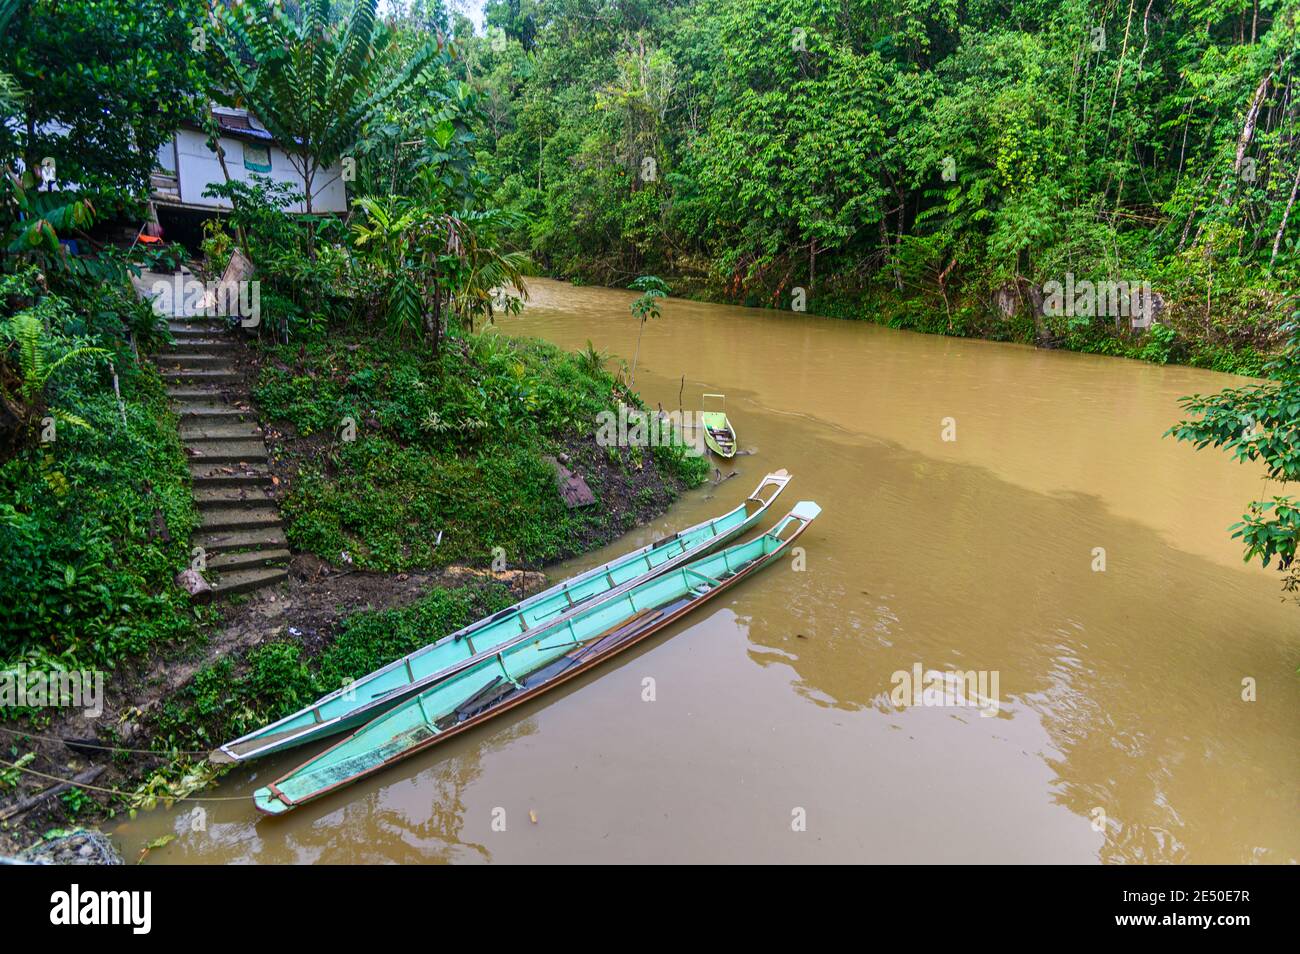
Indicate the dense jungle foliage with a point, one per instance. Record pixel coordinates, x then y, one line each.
926 163
375 319
95 504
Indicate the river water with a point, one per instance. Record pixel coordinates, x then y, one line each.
776 732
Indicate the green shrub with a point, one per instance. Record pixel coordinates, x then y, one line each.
95 524
452 447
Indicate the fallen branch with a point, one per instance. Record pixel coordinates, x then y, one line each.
85 778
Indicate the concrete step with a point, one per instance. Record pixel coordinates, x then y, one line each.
210 394
248 516
199 345
208 495
244 581
196 377
228 475
210 327
190 358
248 559
200 413
195 433
223 541
226 452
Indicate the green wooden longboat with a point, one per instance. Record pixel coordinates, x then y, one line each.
719 434
496 677
362 700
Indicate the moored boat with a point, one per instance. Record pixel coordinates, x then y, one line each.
719 434
500 678
367 697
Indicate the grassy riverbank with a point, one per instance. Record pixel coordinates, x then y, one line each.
390 466
95 521
389 458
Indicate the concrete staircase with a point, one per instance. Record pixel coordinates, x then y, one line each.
240 532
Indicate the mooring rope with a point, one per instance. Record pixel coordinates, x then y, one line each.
122 793
78 744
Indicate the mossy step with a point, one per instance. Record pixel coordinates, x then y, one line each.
196 412
193 359
201 376
212 393
212 431
223 541
201 344
229 494
226 452
245 516
247 559
242 581
214 475
188 326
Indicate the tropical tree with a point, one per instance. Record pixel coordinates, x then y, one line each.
1259 424
434 259
645 307
491 279
311 80
101 83
10 92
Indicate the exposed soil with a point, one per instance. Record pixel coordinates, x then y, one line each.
307 609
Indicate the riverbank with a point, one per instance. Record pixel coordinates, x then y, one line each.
418 494
1238 336
270 654
1118 688
386 459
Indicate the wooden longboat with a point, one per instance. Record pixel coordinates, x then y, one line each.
550 656
362 700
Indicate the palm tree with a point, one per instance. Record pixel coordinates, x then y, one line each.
644 308
310 81
431 258
488 270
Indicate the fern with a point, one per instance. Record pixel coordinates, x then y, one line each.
35 369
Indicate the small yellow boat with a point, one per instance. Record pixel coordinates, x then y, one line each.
718 432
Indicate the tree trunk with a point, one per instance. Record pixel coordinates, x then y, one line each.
635 354
1252 116
437 319
1277 239
308 177
214 137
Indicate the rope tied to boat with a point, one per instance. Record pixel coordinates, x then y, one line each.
78 744
86 786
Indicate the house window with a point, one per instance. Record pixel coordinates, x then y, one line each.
257 158
166 158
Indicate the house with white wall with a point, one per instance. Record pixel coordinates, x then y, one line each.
187 166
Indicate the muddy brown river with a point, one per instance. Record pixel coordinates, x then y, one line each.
778 730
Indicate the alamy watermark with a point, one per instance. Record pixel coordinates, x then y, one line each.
183 297
21 687
975 689
631 427
1107 299
433 421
